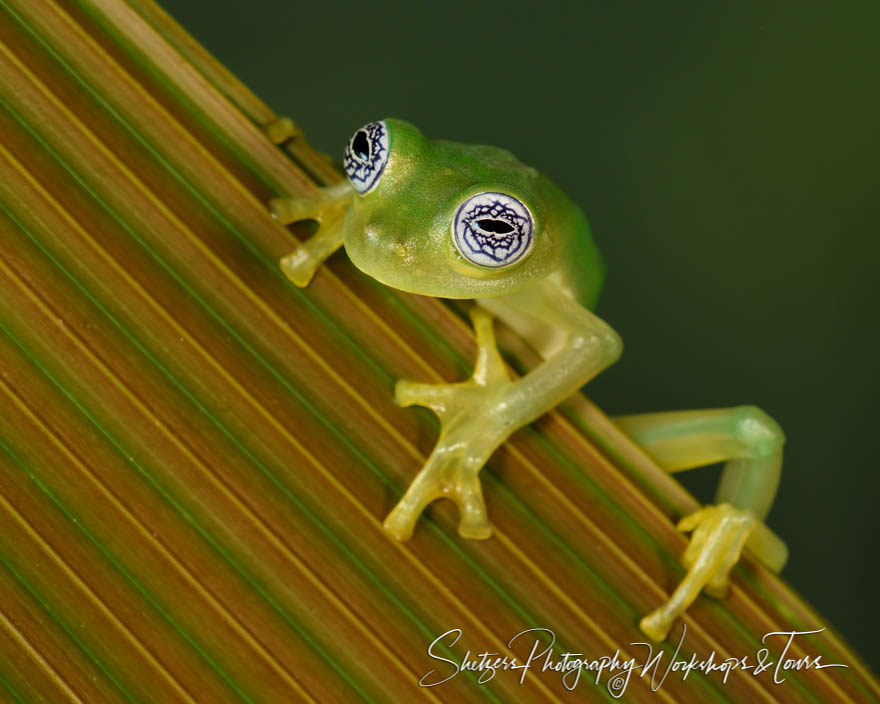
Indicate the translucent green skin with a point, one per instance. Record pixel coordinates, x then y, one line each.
399 233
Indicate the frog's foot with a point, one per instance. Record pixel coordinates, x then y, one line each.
301 264
328 207
720 533
471 428
281 129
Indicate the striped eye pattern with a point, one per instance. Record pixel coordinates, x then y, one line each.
492 230
366 155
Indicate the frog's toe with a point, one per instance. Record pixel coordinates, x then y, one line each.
400 523
692 520
281 129
288 210
413 393
300 266
656 625
720 533
446 474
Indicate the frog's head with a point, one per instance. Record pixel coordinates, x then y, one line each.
448 219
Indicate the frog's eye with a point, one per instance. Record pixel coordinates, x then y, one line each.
492 230
366 155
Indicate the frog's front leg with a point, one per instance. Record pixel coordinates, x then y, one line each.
750 442
476 416
328 207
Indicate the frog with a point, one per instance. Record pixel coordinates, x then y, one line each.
459 221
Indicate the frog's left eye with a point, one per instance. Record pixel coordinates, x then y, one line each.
492 230
365 156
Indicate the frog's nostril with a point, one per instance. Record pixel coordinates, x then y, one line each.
400 249
360 145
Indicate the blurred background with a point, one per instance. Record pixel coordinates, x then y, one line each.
726 155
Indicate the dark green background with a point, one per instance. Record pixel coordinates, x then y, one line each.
727 157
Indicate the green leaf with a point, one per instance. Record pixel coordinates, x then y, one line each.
196 457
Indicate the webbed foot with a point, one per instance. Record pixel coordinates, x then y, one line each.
720 533
472 426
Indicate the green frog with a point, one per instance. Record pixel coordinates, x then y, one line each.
452 220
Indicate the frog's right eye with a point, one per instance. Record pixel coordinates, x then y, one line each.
366 155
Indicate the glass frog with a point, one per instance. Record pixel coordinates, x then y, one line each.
452 220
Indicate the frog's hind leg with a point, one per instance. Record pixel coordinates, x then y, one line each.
328 207
750 442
